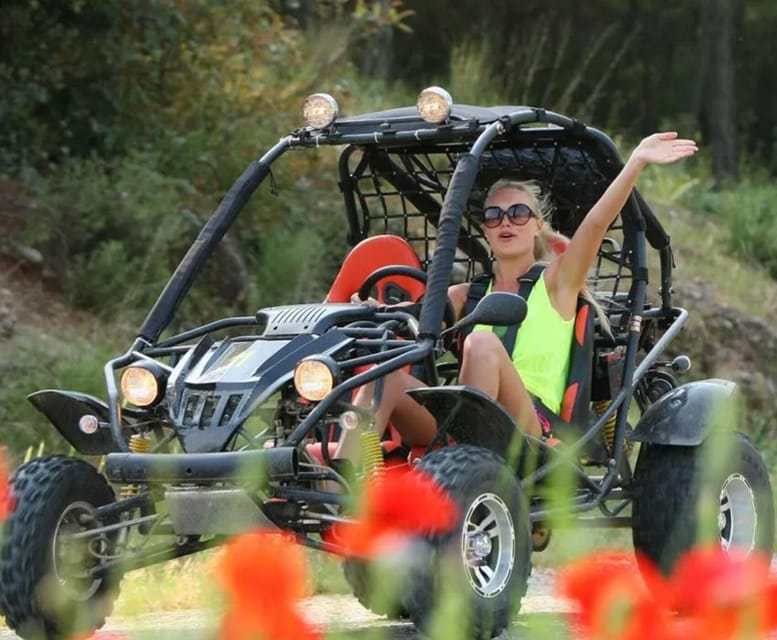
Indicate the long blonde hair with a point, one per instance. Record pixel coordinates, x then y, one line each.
549 243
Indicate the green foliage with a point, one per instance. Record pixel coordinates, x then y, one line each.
184 99
381 14
115 230
204 84
747 211
59 359
77 76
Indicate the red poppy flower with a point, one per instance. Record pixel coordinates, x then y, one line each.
713 595
265 575
711 577
396 504
612 599
725 593
6 500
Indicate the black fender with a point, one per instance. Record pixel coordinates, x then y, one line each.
686 415
469 415
473 417
65 408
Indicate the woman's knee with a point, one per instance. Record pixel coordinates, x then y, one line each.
482 344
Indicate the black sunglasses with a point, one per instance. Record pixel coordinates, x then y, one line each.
518 214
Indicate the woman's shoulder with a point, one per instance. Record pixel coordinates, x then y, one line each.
458 294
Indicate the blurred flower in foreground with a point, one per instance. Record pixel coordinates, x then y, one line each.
265 576
100 635
396 504
612 600
6 501
720 595
712 594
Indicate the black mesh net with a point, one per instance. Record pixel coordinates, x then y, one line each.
400 191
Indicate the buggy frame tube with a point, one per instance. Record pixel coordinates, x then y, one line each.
216 325
114 408
210 235
681 316
638 293
421 350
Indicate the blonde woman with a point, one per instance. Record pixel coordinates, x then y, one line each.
533 377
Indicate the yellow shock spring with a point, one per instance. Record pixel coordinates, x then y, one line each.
138 443
372 452
608 428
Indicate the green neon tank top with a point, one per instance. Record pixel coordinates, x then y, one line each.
542 347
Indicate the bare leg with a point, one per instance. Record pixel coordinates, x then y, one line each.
415 424
487 367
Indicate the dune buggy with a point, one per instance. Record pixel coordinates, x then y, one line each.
204 436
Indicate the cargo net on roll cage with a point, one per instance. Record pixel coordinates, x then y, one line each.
400 191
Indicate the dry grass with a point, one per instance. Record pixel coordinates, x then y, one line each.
189 583
702 257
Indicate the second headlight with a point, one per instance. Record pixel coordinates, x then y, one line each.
314 377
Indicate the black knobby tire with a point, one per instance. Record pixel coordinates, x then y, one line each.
364 586
487 556
41 593
667 491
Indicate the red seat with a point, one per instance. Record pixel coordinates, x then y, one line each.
371 254
368 255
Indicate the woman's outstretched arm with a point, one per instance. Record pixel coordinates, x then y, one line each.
573 265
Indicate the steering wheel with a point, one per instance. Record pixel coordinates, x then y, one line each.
401 270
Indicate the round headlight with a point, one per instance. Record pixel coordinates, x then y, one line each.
313 379
320 110
434 104
143 384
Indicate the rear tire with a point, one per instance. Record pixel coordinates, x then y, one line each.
486 557
46 590
667 492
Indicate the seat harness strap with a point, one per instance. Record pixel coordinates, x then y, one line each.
477 289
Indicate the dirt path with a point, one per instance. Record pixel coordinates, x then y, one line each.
341 613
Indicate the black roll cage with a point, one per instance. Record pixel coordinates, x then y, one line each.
471 135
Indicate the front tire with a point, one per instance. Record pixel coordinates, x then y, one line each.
487 556
366 588
46 587
668 491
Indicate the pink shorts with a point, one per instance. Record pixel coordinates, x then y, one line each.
544 422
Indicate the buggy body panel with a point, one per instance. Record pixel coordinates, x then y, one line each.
688 414
469 416
64 409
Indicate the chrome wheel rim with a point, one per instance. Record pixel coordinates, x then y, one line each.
738 514
488 545
72 559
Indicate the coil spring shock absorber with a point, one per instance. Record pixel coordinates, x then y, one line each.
138 443
608 428
372 453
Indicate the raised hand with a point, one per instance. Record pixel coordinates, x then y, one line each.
663 148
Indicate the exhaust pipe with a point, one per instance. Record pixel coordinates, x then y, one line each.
240 466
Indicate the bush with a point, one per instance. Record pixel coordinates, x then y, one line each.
60 359
749 211
111 233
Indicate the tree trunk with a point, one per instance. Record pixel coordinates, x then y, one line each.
379 47
717 108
